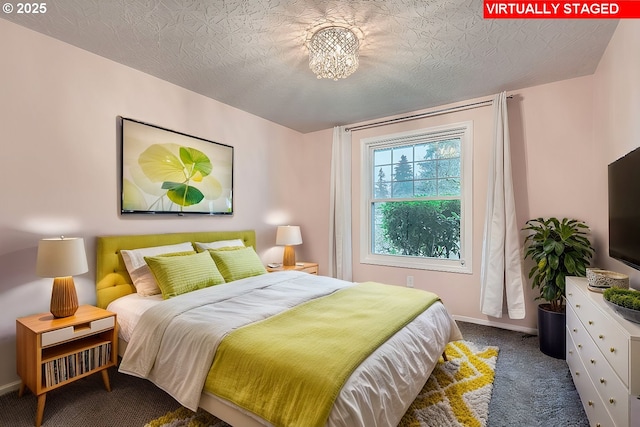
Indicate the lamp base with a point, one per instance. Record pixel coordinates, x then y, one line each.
289 258
64 300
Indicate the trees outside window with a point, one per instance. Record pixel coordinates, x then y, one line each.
416 199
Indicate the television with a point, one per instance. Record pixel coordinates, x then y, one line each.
624 209
169 172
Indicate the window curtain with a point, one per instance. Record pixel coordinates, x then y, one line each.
501 272
340 262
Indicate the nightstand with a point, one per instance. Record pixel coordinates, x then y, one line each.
307 267
52 352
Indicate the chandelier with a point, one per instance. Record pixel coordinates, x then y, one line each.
333 53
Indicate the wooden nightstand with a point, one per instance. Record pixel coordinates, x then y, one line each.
307 267
53 352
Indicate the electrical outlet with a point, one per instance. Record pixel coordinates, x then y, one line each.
409 281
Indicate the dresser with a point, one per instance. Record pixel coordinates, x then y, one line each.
603 354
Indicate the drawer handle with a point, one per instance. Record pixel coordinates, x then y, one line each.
598 425
591 322
612 350
602 381
570 351
579 345
590 403
612 400
577 305
593 361
601 336
577 373
575 330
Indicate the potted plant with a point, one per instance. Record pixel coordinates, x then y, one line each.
559 248
626 302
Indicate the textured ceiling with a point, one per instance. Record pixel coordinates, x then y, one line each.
251 54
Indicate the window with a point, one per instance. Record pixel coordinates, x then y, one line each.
416 199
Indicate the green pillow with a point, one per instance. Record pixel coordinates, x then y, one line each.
235 264
181 274
203 247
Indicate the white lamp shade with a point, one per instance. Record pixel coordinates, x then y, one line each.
61 257
288 235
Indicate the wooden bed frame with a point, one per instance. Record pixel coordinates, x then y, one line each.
113 282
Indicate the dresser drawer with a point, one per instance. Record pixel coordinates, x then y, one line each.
610 388
593 406
611 340
76 331
576 329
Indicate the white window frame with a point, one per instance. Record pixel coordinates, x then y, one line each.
462 130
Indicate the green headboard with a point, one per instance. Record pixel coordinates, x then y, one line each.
112 278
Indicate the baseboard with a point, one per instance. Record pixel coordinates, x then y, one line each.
8 388
507 326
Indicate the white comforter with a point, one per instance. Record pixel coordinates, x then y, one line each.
168 344
167 348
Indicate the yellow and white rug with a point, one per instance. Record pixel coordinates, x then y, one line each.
456 395
458 392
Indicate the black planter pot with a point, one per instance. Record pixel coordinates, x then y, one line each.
551 331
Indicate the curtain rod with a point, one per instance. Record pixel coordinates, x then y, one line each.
424 115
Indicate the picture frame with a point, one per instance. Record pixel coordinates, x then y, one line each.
168 172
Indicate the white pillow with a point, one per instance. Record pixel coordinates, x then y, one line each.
140 273
201 247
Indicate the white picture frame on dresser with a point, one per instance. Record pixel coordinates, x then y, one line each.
603 354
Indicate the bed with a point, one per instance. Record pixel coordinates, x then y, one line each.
377 391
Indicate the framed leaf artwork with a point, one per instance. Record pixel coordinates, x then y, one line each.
169 172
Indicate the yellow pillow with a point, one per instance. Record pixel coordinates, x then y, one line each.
238 263
182 274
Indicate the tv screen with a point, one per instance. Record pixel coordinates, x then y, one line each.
624 209
169 172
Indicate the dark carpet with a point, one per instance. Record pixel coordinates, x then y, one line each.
530 389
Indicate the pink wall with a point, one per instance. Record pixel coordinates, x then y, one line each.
552 155
312 202
616 121
563 136
60 162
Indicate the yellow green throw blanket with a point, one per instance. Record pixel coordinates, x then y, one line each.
289 368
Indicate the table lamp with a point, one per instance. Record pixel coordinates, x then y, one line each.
62 258
288 236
